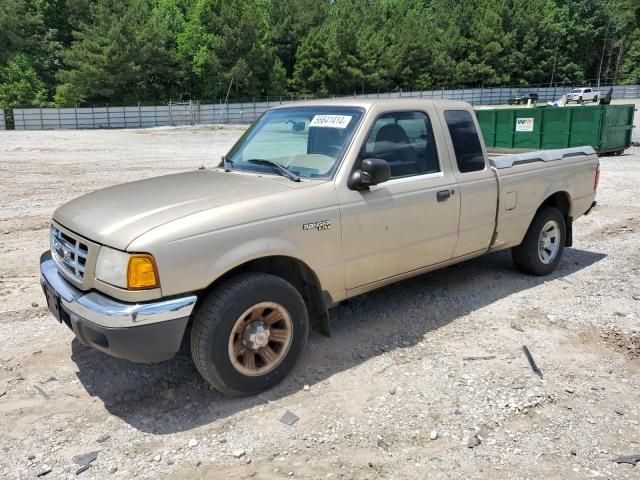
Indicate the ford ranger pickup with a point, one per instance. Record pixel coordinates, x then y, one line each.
317 202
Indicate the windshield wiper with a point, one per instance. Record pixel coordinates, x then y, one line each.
276 167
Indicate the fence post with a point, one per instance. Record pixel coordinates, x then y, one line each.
254 110
139 116
59 119
41 120
93 117
75 111
108 117
170 115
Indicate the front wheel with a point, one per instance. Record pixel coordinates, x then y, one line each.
542 247
595 99
249 333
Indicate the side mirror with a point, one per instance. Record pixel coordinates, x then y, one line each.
372 172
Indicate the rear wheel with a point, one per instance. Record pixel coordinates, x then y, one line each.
542 247
249 333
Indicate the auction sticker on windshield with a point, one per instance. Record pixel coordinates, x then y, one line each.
330 121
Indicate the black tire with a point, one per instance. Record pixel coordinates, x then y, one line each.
526 256
595 99
216 317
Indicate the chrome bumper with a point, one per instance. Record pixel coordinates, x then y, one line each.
109 312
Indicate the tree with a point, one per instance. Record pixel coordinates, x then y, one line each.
289 22
631 66
120 55
117 51
224 41
311 72
18 24
20 84
627 16
277 79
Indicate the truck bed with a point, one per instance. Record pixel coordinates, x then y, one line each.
525 180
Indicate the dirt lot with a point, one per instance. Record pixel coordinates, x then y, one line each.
393 394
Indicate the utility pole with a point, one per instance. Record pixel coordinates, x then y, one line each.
604 46
555 61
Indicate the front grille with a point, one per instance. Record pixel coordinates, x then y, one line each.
70 252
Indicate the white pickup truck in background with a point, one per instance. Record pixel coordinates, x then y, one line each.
584 94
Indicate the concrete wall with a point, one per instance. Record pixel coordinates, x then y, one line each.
246 112
104 117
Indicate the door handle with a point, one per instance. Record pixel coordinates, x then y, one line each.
442 195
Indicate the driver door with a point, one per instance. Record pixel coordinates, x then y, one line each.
410 221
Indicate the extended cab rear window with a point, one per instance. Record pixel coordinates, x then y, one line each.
466 143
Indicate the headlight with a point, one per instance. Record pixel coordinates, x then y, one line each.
126 270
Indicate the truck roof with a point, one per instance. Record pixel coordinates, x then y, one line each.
367 103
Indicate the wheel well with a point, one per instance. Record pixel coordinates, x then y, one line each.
298 274
562 202
559 200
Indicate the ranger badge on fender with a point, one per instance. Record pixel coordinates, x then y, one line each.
320 225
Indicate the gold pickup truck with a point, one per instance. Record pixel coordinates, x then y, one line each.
317 202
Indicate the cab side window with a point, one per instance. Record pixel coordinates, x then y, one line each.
405 140
466 143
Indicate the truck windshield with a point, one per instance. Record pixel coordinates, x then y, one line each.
307 141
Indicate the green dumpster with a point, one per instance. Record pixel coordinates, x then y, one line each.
607 128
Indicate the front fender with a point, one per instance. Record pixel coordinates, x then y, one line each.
253 250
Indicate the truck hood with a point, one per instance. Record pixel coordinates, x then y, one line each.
115 216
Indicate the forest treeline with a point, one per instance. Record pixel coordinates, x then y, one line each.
75 52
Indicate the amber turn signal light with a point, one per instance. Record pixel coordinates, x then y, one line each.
142 272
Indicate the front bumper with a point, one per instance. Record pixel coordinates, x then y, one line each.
146 332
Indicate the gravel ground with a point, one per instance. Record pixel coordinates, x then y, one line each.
422 379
